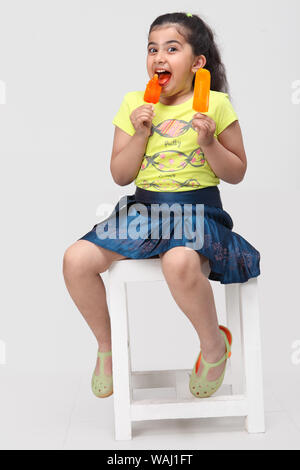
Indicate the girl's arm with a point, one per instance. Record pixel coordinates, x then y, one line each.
127 155
226 155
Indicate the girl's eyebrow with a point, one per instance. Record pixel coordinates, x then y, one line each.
167 42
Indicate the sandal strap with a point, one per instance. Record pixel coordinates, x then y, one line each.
209 365
102 355
214 364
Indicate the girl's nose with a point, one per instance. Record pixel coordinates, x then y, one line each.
160 59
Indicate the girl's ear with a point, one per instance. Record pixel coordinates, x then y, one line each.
199 63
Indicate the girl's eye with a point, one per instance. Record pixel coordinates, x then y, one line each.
152 48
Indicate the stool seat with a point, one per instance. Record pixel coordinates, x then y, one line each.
242 396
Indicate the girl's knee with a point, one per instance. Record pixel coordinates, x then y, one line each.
74 259
78 258
181 263
84 256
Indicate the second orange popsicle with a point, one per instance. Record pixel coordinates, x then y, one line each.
201 90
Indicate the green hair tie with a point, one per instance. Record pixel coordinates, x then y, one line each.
189 14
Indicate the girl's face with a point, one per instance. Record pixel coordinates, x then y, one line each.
167 49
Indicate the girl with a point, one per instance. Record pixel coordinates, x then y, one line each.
173 155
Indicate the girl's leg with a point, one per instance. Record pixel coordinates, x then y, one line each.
191 290
82 263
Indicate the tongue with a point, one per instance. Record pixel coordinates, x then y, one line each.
164 78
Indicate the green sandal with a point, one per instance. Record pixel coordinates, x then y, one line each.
102 385
199 386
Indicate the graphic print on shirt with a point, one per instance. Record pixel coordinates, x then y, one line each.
171 128
172 160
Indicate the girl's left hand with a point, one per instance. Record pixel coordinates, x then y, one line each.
205 127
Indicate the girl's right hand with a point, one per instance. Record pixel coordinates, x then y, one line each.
141 119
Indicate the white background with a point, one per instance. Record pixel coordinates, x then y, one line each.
66 66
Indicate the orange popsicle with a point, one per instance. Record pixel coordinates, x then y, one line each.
201 91
153 90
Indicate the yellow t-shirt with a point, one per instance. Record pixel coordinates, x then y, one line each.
173 160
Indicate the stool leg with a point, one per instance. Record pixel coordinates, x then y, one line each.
252 356
232 300
120 357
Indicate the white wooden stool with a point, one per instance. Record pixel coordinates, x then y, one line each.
244 394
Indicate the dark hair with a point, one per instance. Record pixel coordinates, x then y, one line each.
201 37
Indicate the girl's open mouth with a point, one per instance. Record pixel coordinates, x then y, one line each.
164 78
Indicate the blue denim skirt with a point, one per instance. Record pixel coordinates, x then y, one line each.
147 223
